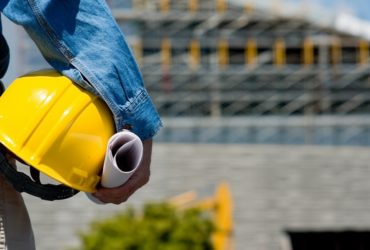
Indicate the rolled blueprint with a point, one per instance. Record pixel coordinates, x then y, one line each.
123 156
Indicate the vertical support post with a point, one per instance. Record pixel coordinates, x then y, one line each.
166 52
248 8
193 5
336 52
221 5
279 53
194 54
223 53
323 103
308 52
166 55
138 51
164 5
363 54
251 53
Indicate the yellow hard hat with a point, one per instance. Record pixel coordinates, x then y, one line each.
56 127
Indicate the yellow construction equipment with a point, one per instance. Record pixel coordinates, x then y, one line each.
222 207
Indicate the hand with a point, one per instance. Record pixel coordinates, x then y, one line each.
136 181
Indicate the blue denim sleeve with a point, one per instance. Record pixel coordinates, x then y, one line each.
81 39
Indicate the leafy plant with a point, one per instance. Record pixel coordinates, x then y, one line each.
159 226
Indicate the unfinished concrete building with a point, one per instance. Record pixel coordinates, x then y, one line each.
220 72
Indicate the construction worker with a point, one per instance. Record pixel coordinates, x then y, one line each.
15 227
81 40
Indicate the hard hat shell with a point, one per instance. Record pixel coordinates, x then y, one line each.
56 127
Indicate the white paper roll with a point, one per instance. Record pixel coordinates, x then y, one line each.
123 156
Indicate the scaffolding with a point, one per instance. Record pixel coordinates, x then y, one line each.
213 60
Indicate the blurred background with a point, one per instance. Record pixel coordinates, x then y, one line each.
271 96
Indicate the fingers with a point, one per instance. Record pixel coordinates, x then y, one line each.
114 196
122 193
136 181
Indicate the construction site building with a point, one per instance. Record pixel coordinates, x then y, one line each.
219 72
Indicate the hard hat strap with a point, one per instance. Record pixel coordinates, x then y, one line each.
23 183
35 174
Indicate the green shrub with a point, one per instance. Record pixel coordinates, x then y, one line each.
158 227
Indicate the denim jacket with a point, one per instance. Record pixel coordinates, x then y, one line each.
81 39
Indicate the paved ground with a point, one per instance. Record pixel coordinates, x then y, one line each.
275 188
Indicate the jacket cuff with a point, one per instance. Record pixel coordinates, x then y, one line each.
141 116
